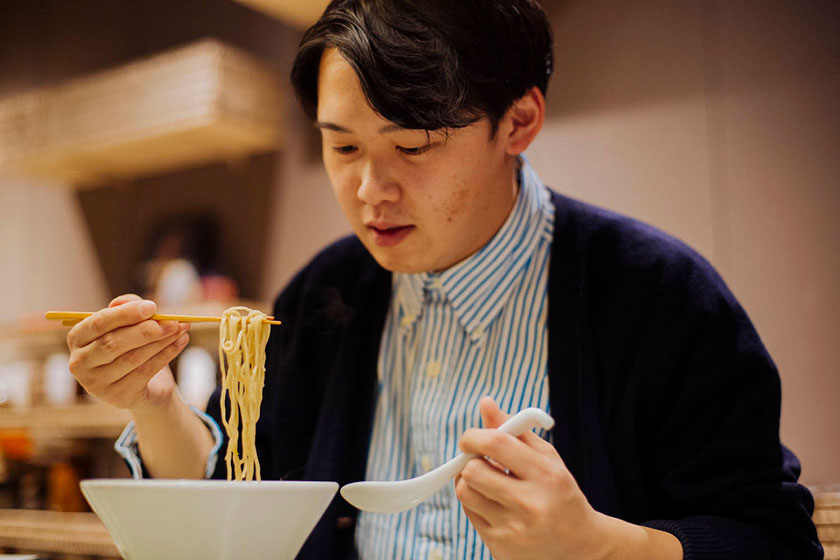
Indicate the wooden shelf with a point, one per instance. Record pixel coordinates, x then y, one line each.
52 531
31 344
92 420
192 105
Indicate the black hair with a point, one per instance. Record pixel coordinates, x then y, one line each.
431 64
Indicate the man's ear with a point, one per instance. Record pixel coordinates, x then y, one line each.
523 120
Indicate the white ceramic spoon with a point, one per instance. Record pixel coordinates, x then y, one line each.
394 496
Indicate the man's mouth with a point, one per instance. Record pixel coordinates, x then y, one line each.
386 235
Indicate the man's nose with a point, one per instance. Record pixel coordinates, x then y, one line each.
376 185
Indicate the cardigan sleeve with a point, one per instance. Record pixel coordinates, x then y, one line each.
674 401
714 471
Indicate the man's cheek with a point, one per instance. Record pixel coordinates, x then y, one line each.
454 205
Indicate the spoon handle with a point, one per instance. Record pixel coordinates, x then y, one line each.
394 496
516 425
526 419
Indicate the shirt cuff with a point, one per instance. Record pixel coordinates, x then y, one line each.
126 446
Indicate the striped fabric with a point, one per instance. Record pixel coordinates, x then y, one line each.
128 448
478 328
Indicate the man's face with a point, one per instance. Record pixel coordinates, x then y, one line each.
418 203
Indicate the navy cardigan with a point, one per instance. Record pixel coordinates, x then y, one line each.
666 402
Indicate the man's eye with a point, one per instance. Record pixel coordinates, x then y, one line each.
344 149
414 151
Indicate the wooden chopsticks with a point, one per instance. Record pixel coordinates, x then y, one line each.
70 318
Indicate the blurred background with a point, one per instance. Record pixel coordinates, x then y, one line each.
155 147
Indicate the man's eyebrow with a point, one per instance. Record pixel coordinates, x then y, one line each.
331 126
388 128
325 125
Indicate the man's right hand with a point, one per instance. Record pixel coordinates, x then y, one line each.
119 355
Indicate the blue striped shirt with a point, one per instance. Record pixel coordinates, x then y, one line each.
478 328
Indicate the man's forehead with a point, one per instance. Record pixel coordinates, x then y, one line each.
340 97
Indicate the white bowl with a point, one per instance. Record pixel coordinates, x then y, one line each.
208 519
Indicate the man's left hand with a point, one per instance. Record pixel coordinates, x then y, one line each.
525 503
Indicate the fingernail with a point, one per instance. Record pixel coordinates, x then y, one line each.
148 307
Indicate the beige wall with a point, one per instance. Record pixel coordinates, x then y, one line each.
777 142
306 216
46 256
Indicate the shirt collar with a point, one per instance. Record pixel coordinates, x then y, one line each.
478 287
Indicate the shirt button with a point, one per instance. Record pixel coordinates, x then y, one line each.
435 554
433 369
477 334
408 319
426 461
437 283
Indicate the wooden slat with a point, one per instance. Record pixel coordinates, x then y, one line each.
827 516
50 531
832 551
73 421
829 533
826 496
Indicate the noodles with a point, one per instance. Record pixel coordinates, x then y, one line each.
242 338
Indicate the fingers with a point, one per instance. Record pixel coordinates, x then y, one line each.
474 497
475 518
120 345
116 351
527 456
128 390
492 482
106 320
491 415
125 298
538 444
146 360
535 472
122 383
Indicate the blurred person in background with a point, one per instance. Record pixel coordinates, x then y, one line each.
470 290
179 266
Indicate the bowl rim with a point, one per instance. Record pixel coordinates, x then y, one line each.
205 484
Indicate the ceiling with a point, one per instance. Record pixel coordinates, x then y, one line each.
300 13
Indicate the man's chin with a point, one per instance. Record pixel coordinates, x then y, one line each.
396 259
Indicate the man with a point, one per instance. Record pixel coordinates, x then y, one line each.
468 278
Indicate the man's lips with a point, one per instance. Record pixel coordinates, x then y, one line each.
388 235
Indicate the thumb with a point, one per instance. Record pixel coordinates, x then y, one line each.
125 298
491 415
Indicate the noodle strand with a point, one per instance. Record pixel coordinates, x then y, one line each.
243 335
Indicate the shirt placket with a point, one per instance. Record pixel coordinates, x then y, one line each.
427 386
426 383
